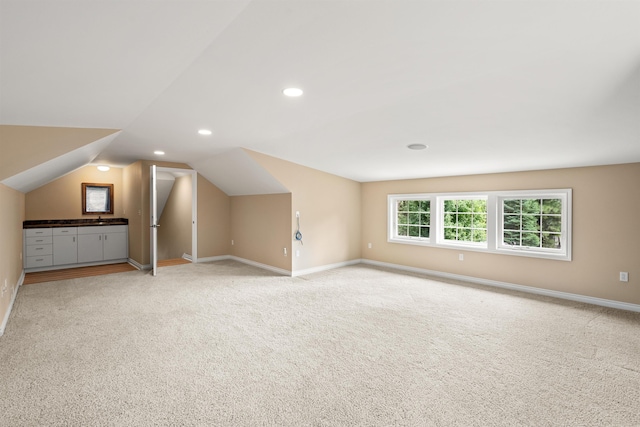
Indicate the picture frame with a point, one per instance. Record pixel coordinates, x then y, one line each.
97 199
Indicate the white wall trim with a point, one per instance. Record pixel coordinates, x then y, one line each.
260 265
511 286
187 257
214 258
246 261
325 267
13 298
139 266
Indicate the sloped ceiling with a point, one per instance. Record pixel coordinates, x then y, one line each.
489 86
238 174
50 170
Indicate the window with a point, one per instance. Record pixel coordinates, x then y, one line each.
465 220
533 223
412 219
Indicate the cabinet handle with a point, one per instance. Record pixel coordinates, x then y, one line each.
39 232
39 249
74 239
39 259
64 231
40 240
100 237
105 237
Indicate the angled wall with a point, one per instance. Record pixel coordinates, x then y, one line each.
330 213
24 147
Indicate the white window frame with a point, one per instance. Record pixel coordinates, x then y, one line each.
495 222
440 231
565 236
393 219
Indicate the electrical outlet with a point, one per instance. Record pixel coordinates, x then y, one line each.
232 243
285 251
369 245
297 214
297 253
460 257
624 276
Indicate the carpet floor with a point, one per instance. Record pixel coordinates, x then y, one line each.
226 344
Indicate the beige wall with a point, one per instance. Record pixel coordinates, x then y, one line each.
174 234
260 228
214 220
132 206
603 245
24 147
11 217
62 198
330 212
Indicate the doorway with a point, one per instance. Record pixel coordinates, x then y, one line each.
176 213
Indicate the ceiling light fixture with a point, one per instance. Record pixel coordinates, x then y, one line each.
103 168
417 146
292 91
159 153
204 132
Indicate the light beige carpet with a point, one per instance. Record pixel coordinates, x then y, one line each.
224 344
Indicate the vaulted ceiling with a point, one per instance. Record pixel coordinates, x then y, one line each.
489 86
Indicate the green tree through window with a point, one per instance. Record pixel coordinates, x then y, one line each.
465 220
414 218
532 223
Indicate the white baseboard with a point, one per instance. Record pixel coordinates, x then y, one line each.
248 262
187 257
260 265
504 285
214 258
325 267
281 270
13 298
139 266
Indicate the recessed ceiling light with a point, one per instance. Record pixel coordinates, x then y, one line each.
103 168
159 153
417 146
204 132
292 91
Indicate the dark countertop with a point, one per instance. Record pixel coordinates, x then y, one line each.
50 223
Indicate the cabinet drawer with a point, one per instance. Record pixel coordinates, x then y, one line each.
37 250
39 241
65 231
39 261
116 229
35 232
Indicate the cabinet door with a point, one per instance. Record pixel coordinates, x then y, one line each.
90 247
115 245
65 250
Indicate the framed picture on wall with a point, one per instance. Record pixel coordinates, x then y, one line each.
97 199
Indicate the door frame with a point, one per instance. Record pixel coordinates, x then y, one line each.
194 210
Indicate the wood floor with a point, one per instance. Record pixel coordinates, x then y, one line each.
96 270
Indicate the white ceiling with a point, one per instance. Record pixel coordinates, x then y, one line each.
490 86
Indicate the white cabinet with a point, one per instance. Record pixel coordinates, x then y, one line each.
101 243
38 247
65 245
115 244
